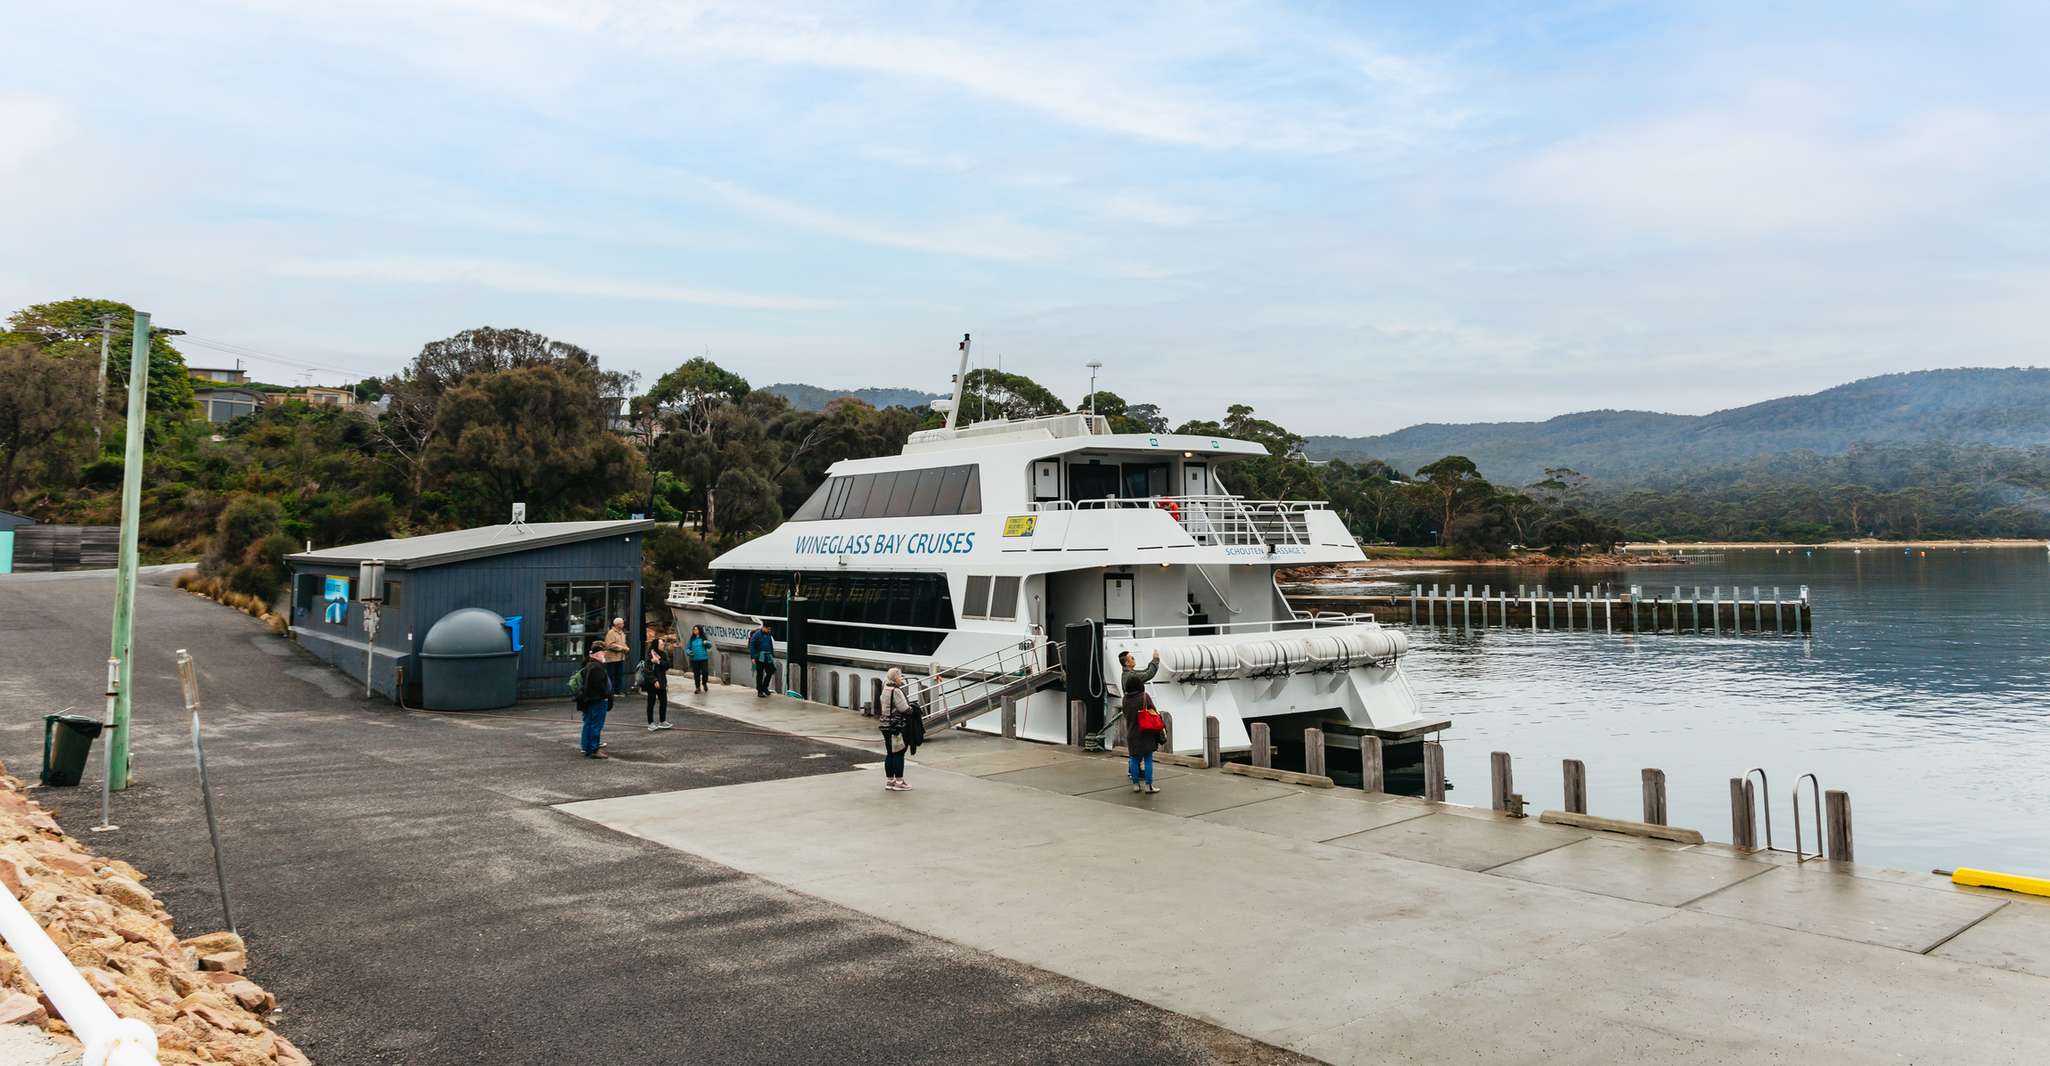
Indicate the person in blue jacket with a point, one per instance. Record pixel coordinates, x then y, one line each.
761 648
699 651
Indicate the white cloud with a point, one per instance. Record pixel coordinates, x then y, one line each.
514 277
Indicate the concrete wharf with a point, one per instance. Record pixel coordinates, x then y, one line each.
1716 611
1357 927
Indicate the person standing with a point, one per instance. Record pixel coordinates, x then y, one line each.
655 678
895 724
699 651
616 649
594 700
1135 703
761 649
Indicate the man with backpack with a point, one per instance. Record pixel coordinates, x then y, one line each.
591 687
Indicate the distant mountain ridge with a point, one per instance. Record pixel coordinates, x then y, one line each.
815 398
1986 406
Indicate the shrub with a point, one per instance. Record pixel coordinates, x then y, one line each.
246 520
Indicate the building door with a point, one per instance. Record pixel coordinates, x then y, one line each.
1195 479
1046 480
1120 599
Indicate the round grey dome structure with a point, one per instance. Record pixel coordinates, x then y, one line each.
467 662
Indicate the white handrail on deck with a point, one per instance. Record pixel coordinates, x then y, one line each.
110 1040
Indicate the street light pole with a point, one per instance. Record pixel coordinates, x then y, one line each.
124 582
100 408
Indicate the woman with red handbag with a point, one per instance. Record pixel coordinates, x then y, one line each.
1145 728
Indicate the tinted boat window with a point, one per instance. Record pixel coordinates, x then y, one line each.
971 497
816 506
928 490
879 496
857 495
952 483
1003 598
900 496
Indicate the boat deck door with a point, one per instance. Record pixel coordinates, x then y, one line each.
1120 599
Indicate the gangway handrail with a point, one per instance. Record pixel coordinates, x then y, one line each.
110 1040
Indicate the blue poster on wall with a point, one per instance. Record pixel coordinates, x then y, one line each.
336 594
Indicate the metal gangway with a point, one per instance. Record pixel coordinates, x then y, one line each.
955 694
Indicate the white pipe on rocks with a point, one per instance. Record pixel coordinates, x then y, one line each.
109 1040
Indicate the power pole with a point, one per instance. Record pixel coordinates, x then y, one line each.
124 582
100 409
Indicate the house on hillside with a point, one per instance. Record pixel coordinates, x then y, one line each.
221 405
555 586
234 375
320 395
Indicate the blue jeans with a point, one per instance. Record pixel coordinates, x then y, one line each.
1142 768
594 724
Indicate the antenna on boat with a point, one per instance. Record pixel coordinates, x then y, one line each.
960 380
1094 365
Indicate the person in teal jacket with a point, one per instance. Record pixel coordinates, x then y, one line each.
699 651
761 648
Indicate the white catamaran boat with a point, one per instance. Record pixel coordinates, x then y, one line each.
1010 562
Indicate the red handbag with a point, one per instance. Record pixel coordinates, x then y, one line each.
1149 718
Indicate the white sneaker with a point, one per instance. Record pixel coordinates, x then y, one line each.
665 725
1151 789
1136 787
652 727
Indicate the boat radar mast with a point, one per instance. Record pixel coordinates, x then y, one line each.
960 382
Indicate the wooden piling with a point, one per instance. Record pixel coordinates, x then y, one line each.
1486 594
875 696
1654 796
1551 610
1836 804
1213 749
725 670
1434 771
1313 752
1415 593
1743 818
1010 718
1167 732
1576 785
1078 722
1466 608
1263 751
1501 781
1373 765
1779 624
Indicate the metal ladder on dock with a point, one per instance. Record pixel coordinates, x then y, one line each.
955 694
1745 802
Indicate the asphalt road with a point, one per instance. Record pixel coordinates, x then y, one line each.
411 897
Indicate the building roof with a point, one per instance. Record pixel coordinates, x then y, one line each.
10 520
436 549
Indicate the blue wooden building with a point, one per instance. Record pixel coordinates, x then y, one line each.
559 583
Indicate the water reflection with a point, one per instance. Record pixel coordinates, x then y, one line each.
1922 692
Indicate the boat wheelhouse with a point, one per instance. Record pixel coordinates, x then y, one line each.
1011 562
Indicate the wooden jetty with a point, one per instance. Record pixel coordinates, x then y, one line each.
1717 611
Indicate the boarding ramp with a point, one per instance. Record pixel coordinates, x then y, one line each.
952 695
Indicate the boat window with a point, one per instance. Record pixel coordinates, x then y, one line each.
879 496
971 497
844 606
857 495
900 495
975 602
951 486
815 507
1003 598
928 490
938 490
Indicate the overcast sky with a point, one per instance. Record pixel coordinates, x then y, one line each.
1352 216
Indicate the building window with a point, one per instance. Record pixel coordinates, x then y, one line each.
577 614
392 592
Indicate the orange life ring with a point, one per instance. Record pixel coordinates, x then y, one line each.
1170 507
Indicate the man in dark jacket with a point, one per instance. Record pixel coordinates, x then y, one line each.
1141 743
761 649
594 699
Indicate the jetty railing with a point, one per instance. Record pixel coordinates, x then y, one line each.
110 1040
1598 608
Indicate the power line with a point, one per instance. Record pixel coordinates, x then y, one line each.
230 348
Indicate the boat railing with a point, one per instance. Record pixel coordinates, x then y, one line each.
109 1039
1300 622
977 680
698 590
1220 520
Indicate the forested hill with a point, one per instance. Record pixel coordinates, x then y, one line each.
1998 407
814 398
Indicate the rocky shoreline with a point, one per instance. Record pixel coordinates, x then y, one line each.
191 991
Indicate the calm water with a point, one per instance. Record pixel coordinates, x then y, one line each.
1924 692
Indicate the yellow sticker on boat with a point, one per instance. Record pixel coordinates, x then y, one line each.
1020 525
